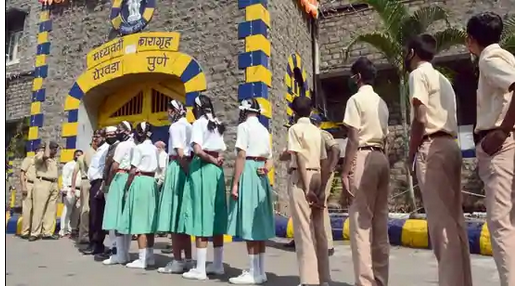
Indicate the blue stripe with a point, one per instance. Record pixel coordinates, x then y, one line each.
255 58
76 91
190 72
12 224
36 120
150 4
264 120
289 71
190 97
32 145
45 26
295 62
114 12
250 28
337 224
395 230
281 226
43 49
71 142
73 115
41 71
245 3
471 153
38 95
252 89
474 234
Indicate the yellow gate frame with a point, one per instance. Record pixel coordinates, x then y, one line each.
153 52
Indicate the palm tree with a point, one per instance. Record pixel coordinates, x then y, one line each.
400 25
508 36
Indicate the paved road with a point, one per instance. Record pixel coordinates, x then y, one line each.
46 263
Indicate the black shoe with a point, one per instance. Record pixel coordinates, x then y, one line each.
101 256
33 238
51 237
290 244
26 236
331 251
112 251
91 250
167 251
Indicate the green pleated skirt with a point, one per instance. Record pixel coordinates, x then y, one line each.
203 207
170 198
139 214
251 216
114 202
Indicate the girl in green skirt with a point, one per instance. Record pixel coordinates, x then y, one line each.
141 191
116 181
203 207
251 208
172 189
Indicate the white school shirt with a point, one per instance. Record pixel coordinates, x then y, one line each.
123 154
96 168
179 137
68 172
163 161
253 138
208 140
145 157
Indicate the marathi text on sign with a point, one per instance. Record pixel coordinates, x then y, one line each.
153 61
106 70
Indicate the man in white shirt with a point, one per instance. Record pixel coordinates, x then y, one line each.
97 200
163 161
70 213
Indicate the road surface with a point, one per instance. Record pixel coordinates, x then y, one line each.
48 263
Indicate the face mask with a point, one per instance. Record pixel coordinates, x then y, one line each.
122 136
75 159
111 140
352 85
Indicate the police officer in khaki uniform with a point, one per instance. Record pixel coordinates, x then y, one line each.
306 195
27 179
365 176
332 148
495 136
46 193
437 158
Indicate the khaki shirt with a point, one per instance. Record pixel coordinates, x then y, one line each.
496 74
46 169
435 92
306 139
367 112
29 169
81 167
88 155
328 139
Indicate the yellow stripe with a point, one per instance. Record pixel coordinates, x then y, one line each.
329 125
265 106
258 43
71 103
33 133
258 12
288 80
346 229
69 129
258 74
190 115
304 74
37 84
148 13
36 107
31 154
198 83
298 61
67 155
41 60
44 16
116 22
485 245
289 97
414 233
289 232
289 111
43 37
291 64
117 4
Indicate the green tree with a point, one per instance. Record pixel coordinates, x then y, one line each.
508 36
399 25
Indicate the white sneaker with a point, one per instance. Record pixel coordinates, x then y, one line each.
195 274
211 270
264 278
246 279
112 260
173 267
137 264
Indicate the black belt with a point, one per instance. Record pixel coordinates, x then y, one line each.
371 148
483 133
47 179
437 134
30 181
84 178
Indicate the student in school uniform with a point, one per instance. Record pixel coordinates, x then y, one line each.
203 208
365 176
251 207
116 180
495 136
307 195
172 191
437 158
141 197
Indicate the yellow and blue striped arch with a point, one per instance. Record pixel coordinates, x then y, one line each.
40 74
295 62
255 58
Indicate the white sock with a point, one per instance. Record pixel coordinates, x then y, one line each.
218 257
201 260
254 265
262 271
142 256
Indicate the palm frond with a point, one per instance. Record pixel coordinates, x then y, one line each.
382 42
508 35
448 38
421 20
391 12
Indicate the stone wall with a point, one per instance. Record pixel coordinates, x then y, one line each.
289 34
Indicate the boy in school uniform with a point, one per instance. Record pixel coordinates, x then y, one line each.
306 196
495 136
365 176
437 158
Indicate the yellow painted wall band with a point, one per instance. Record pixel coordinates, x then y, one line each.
258 12
258 43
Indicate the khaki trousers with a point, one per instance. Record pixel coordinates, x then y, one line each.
45 197
439 178
309 232
326 216
368 216
498 174
84 211
27 210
